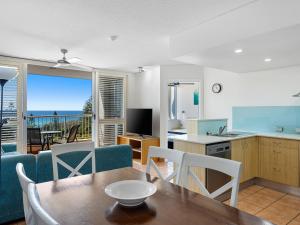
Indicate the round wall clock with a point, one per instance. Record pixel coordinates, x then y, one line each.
216 88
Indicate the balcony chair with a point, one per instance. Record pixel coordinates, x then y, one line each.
34 140
72 136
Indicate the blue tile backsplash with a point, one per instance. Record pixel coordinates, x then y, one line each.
266 118
211 126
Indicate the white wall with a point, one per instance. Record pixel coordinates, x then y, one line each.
219 105
144 92
173 73
271 87
263 88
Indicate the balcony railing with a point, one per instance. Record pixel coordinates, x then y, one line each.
63 123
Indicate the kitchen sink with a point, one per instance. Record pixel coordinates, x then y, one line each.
226 135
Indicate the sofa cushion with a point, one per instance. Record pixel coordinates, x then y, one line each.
113 157
11 203
9 148
12 153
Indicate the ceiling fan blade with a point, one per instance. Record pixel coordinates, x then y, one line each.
61 65
74 60
82 67
57 65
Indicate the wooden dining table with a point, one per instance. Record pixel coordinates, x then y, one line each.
82 200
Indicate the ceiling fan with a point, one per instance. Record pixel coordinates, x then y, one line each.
71 63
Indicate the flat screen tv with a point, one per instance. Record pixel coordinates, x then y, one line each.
139 121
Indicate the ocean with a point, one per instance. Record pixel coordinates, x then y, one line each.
50 113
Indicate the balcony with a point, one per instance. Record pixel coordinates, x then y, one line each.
63 124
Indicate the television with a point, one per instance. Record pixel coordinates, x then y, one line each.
139 121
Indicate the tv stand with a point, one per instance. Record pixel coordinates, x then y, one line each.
140 145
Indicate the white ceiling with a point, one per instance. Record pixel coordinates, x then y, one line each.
282 46
147 31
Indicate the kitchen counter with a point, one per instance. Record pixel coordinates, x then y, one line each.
280 135
204 139
179 130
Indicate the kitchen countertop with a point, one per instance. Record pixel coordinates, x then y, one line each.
204 139
179 130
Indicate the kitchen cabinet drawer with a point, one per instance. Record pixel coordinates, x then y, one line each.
277 143
279 160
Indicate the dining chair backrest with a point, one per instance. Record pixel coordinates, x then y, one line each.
24 181
73 133
41 217
171 155
226 166
60 149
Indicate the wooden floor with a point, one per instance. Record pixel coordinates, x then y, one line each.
277 207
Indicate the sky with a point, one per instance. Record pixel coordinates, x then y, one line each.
57 93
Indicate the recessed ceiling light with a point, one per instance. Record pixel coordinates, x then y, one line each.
113 37
268 59
238 51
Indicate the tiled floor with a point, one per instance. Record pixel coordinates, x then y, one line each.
277 207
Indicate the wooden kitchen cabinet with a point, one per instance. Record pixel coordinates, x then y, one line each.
279 160
246 151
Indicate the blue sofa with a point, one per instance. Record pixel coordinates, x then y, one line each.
39 168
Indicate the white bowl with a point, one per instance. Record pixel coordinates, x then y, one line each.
130 192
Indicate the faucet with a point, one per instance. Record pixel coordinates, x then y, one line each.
221 129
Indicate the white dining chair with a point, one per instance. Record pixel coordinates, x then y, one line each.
171 155
226 166
41 217
60 149
24 181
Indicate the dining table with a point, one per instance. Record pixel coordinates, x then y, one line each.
82 200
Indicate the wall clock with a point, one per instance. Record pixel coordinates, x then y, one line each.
216 88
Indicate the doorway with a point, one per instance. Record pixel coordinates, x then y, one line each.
183 105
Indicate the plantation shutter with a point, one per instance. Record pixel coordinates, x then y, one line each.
112 104
9 130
